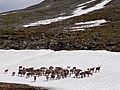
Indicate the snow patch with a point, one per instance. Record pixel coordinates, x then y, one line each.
83 25
7 13
101 5
86 3
92 22
62 14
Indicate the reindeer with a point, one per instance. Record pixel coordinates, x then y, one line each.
37 72
35 78
21 72
97 69
28 74
59 72
47 77
58 76
13 73
52 75
20 67
72 71
5 72
47 72
88 73
82 74
27 69
92 69
51 68
77 73
68 67
43 68
66 72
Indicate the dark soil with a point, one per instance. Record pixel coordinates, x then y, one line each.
11 86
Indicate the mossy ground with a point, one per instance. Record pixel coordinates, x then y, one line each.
54 36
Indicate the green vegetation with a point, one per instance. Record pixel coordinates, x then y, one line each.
54 36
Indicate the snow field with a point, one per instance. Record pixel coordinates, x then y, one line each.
107 79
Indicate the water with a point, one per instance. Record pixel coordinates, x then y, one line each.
8 5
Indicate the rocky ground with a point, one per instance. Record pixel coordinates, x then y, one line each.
8 86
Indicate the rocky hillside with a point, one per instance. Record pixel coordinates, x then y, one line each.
63 25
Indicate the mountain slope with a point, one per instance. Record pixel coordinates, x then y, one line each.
60 25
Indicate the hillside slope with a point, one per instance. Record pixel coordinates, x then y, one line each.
63 25
12 86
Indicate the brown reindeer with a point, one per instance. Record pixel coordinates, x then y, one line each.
52 75
59 72
58 76
55 72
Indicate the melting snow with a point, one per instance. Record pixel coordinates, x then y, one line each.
107 79
79 11
82 25
86 3
92 22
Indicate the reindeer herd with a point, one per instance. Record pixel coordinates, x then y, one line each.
55 73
